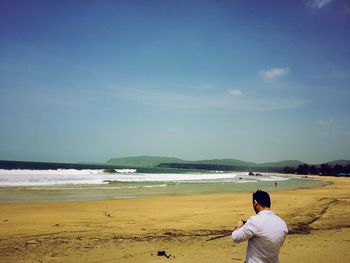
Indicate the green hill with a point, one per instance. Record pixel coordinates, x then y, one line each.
143 161
153 161
340 162
290 163
232 162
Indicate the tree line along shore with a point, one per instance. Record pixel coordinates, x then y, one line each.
335 168
302 169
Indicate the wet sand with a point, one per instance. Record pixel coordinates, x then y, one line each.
189 228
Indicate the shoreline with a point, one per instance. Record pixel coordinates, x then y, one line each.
132 190
191 228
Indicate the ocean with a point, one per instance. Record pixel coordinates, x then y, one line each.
77 185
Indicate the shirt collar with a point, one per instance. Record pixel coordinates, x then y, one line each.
267 212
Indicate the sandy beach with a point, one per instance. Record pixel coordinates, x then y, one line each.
188 228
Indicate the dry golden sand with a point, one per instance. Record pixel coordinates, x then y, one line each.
190 228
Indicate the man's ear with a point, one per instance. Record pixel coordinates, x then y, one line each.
255 202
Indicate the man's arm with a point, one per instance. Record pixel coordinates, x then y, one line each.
243 232
239 224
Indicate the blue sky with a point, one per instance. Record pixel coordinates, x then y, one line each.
251 80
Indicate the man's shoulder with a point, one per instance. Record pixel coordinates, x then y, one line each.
266 215
254 219
276 220
263 220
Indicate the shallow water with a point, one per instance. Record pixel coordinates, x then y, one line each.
137 189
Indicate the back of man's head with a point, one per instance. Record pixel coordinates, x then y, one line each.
262 198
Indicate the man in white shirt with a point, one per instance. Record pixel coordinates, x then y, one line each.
264 231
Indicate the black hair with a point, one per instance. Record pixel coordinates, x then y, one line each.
262 198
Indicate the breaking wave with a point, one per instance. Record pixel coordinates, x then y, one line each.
30 178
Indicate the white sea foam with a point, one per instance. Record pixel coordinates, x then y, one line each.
52 177
30 178
157 185
274 178
122 171
246 181
148 177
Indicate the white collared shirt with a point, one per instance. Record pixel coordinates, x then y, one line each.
265 233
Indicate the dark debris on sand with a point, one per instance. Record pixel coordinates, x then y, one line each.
162 253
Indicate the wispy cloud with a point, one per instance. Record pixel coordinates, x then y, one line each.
325 122
318 4
220 101
234 92
274 73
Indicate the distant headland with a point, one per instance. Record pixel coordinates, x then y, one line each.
157 164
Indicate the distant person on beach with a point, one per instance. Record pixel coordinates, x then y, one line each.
276 185
264 231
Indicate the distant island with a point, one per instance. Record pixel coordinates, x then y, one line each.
156 164
335 168
151 161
